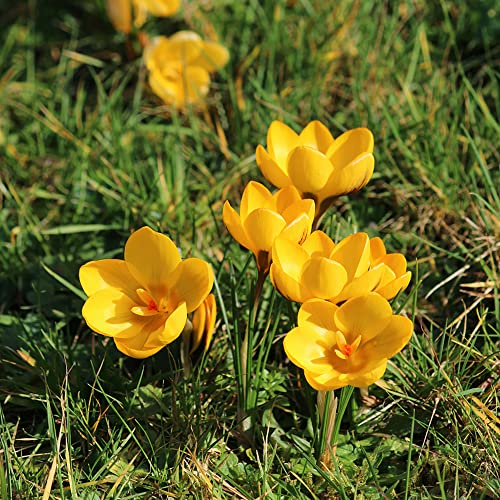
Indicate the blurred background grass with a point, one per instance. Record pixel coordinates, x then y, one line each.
87 154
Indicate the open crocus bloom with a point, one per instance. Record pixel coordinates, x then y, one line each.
143 301
319 166
319 268
120 11
263 216
346 345
180 67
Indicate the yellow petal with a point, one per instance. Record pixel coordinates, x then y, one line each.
366 378
168 90
262 226
198 322
390 290
289 256
151 257
316 136
191 282
281 139
327 381
233 223
366 316
362 285
120 14
155 52
318 244
108 273
323 277
351 178
377 250
161 8
109 312
287 286
389 341
353 253
140 13
255 195
318 315
213 56
271 170
285 198
309 350
349 146
185 46
204 323
396 261
196 83
308 169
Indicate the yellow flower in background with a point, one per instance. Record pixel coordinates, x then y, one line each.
263 216
120 11
319 268
180 66
142 302
346 345
319 166
203 323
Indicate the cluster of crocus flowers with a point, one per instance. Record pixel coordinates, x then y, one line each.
180 66
319 268
143 301
127 13
265 216
320 167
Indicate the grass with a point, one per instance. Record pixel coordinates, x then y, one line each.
87 155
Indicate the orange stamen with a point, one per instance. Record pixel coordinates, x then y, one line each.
152 306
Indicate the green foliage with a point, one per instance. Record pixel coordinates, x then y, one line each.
87 155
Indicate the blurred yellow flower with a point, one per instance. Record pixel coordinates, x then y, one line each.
319 166
319 268
142 302
203 323
180 67
263 216
120 11
346 345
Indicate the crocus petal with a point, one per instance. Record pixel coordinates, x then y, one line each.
289 256
286 197
329 381
281 139
350 178
262 226
353 253
108 273
317 136
125 346
365 316
309 350
255 196
233 223
191 282
108 312
318 315
151 257
299 209
161 8
396 261
271 170
389 341
169 91
318 244
323 277
349 146
195 84
364 379
390 290
287 286
120 14
308 169
185 46
169 331
213 56
363 285
377 250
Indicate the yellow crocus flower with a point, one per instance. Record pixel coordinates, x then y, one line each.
346 345
142 302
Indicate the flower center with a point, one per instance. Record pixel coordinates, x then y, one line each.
150 306
345 350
